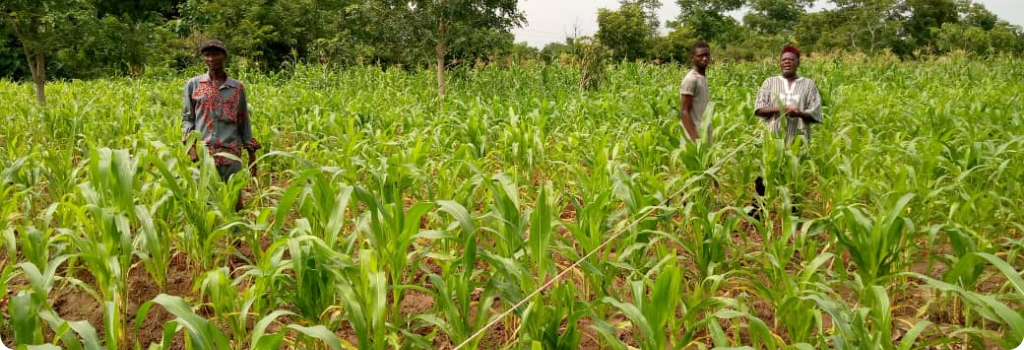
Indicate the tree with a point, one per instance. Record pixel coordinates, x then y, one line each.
707 18
650 9
978 31
871 22
920 16
268 32
674 47
12 60
976 15
522 51
810 35
38 25
383 25
124 34
444 25
775 16
554 51
624 31
138 10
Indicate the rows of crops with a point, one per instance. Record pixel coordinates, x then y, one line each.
384 218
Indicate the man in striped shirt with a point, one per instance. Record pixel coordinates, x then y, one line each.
790 98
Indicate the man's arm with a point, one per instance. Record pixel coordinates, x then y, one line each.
811 115
764 106
686 91
767 112
252 162
188 119
794 112
686 104
245 130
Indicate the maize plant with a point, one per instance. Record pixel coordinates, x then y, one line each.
521 212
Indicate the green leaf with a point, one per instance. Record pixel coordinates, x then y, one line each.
320 332
911 336
634 315
460 214
203 335
1011 274
40 347
259 331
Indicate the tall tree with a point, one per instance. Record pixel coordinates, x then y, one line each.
978 31
673 47
267 31
811 37
872 24
775 16
708 18
38 25
624 31
138 9
650 9
976 15
447 24
919 17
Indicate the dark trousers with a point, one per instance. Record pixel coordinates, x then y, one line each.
226 172
760 188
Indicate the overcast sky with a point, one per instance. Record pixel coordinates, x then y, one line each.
554 20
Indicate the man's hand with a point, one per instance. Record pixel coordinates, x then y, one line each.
693 134
192 155
240 204
767 112
793 112
252 163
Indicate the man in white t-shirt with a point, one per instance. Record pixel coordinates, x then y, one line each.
694 92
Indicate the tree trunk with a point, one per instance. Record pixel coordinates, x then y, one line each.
34 57
439 51
39 75
872 31
440 68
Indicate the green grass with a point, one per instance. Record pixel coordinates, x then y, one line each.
372 191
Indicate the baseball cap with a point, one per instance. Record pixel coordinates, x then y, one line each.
213 44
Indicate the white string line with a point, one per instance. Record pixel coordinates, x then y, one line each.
547 284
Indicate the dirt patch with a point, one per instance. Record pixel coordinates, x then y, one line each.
142 288
347 333
415 302
74 304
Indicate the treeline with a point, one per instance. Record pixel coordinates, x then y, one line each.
905 28
96 38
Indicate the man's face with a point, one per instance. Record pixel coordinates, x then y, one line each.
789 63
214 59
701 57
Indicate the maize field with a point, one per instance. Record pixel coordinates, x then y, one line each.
386 217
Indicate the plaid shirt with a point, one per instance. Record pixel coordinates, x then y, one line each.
220 115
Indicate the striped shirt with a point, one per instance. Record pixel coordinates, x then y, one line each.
802 93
